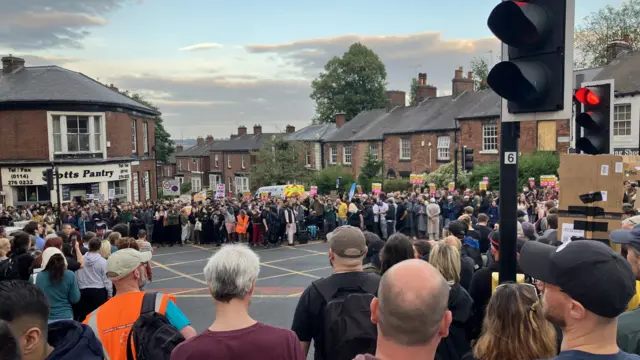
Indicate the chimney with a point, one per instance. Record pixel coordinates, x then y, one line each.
618 47
179 149
340 119
470 75
396 98
209 139
257 129
459 84
424 91
199 141
242 130
11 64
290 129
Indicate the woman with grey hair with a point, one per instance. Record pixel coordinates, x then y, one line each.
231 275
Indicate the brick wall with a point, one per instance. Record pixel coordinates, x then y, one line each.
140 169
424 158
212 161
358 154
168 171
24 135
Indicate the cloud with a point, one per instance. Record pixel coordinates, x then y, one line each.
200 47
45 24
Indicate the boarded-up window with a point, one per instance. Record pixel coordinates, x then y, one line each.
547 135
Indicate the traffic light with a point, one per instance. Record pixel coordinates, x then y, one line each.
534 76
593 117
47 177
467 158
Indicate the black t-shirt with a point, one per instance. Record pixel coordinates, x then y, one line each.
484 237
581 355
308 317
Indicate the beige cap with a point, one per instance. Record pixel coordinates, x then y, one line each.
123 262
347 242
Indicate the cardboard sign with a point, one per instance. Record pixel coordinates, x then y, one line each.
482 185
452 186
548 180
376 188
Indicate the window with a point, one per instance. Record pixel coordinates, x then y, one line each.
490 136
243 164
119 188
307 158
196 184
196 164
230 185
145 137
136 189
188 164
229 161
32 194
405 149
216 160
373 149
134 136
622 120
76 133
179 165
214 180
334 154
97 133
242 184
346 154
444 143
168 171
147 184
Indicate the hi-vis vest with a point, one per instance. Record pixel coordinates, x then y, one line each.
495 280
113 321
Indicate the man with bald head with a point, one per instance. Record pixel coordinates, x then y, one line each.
411 312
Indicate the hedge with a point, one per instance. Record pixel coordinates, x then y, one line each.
529 166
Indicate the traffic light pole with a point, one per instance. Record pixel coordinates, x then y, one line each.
455 160
509 136
55 173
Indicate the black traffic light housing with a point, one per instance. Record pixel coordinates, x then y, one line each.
593 118
47 177
532 80
467 158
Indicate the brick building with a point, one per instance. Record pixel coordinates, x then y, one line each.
192 165
312 139
101 141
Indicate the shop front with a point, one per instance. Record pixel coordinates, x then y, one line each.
23 185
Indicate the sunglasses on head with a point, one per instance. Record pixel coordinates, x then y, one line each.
529 287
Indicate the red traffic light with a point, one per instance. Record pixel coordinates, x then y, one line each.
588 96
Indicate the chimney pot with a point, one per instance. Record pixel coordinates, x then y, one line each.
340 119
199 141
11 64
290 129
257 129
470 75
242 130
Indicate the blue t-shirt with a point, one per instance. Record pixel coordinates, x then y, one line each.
39 243
60 295
581 355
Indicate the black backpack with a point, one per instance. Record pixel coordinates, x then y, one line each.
348 330
9 270
153 335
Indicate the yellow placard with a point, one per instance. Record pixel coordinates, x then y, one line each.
452 186
376 188
432 187
482 185
293 190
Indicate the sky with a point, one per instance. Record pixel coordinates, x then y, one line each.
211 65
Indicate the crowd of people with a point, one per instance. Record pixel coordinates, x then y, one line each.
415 275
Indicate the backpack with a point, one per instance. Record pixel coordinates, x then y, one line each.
348 330
152 334
9 270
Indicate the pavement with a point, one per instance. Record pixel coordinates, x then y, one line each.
284 274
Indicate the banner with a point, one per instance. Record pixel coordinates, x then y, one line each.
548 180
416 179
313 191
264 196
482 185
452 186
220 190
352 191
201 196
246 195
293 190
376 188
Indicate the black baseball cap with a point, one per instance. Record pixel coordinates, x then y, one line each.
589 271
627 237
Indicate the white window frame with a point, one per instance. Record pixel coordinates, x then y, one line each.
444 148
347 155
196 163
94 147
146 181
214 180
145 137
121 190
243 162
134 136
229 161
136 187
168 171
196 184
188 164
179 161
242 184
307 158
627 120
374 150
405 148
490 136
333 154
216 160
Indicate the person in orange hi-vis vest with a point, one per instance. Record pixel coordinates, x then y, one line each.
242 225
113 321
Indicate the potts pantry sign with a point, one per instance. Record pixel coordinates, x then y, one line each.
77 174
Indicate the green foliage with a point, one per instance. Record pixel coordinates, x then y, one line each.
480 70
529 166
370 169
412 92
444 175
600 28
325 179
396 185
277 163
351 84
490 170
164 145
185 188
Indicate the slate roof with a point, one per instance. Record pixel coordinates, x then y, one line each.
313 133
248 142
55 84
366 126
196 151
625 70
485 104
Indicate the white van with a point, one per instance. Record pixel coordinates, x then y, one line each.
275 190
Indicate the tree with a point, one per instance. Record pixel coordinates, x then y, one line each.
413 92
598 29
369 171
325 179
277 162
351 84
480 70
185 188
164 145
